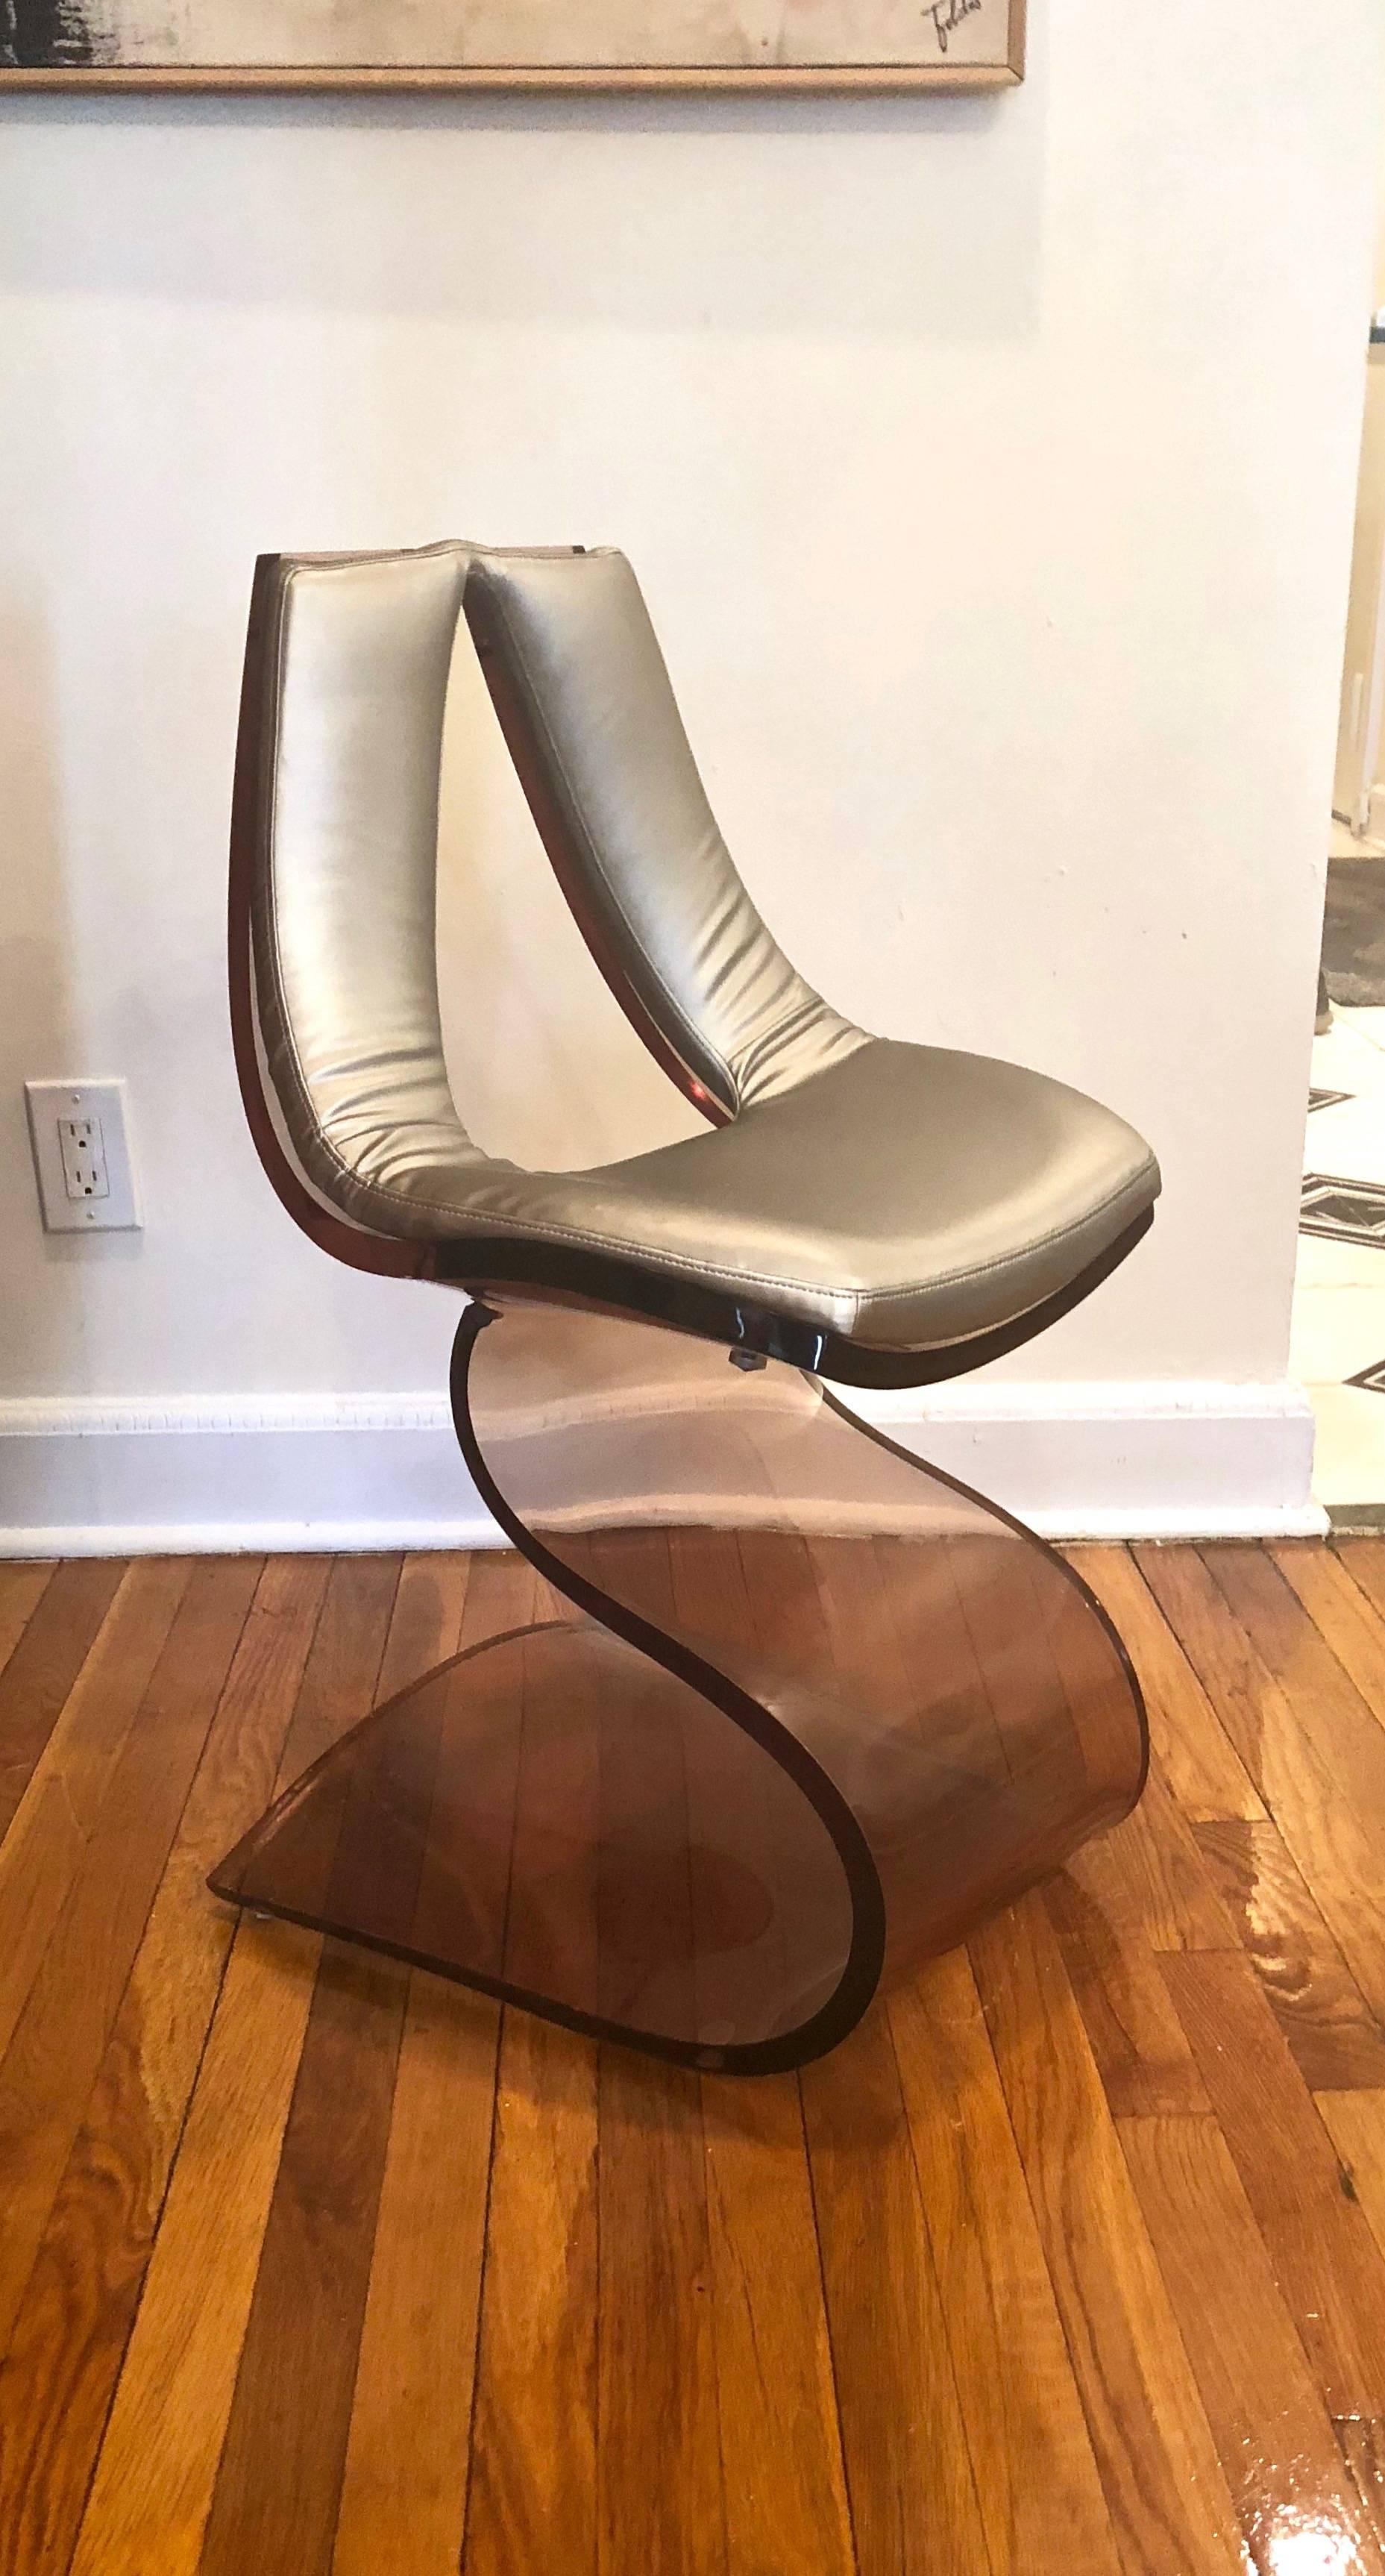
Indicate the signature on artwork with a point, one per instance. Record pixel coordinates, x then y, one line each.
947 16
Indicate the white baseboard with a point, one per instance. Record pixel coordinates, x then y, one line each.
1167 1459
110 1476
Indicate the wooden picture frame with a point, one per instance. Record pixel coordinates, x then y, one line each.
594 45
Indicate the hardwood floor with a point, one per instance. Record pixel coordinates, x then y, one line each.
1070 2262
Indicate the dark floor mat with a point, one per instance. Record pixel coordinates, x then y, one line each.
1353 932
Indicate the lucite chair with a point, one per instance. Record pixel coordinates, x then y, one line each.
815 1708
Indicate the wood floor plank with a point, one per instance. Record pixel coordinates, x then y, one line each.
1140 2045
503 1592
62 2032
73 2322
22 1587
850 1610
533 2463
403 2497
1355 2122
428 1620
740 1807
1311 1746
660 2505
1142 1888
790 1624
342 1682
1330 2271
1343 1612
780 2440
1364 1560
45 1663
155 2470
862 1632
1060 1648
1335 2038
404 2483
1163 2483
786 2504
42 1852
1036 2474
762 1600
155 2475
278 2483
914 2504
1294 1647
1362 2440
274 2506
477 1749
1153 1866
1273 2432
1192 1748
641 1778
533 2498
937 1601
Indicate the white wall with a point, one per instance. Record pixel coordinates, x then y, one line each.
989 466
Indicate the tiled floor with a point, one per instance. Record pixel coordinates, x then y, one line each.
1343 844
1339 1293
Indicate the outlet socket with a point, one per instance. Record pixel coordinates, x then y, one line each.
81 1147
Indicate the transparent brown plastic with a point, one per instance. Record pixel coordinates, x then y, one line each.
818 1712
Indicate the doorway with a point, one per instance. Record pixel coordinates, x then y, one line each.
1338 1343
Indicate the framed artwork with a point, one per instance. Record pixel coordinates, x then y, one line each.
511 44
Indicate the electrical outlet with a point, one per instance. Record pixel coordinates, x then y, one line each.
82 1145
81 1156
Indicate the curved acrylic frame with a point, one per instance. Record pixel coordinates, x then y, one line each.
824 1710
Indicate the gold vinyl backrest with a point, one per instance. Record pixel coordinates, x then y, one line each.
576 669
345 718
344 898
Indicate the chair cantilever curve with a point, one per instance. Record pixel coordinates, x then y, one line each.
812 1709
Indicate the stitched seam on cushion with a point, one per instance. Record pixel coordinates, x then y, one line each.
862 1301
529 1230
870 1299
681 1016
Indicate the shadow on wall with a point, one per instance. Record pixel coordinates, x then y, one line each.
657 219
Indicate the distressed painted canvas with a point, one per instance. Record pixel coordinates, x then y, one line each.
54 42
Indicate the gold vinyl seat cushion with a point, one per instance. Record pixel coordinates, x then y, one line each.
906 1196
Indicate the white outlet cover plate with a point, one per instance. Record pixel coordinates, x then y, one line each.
46 1103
